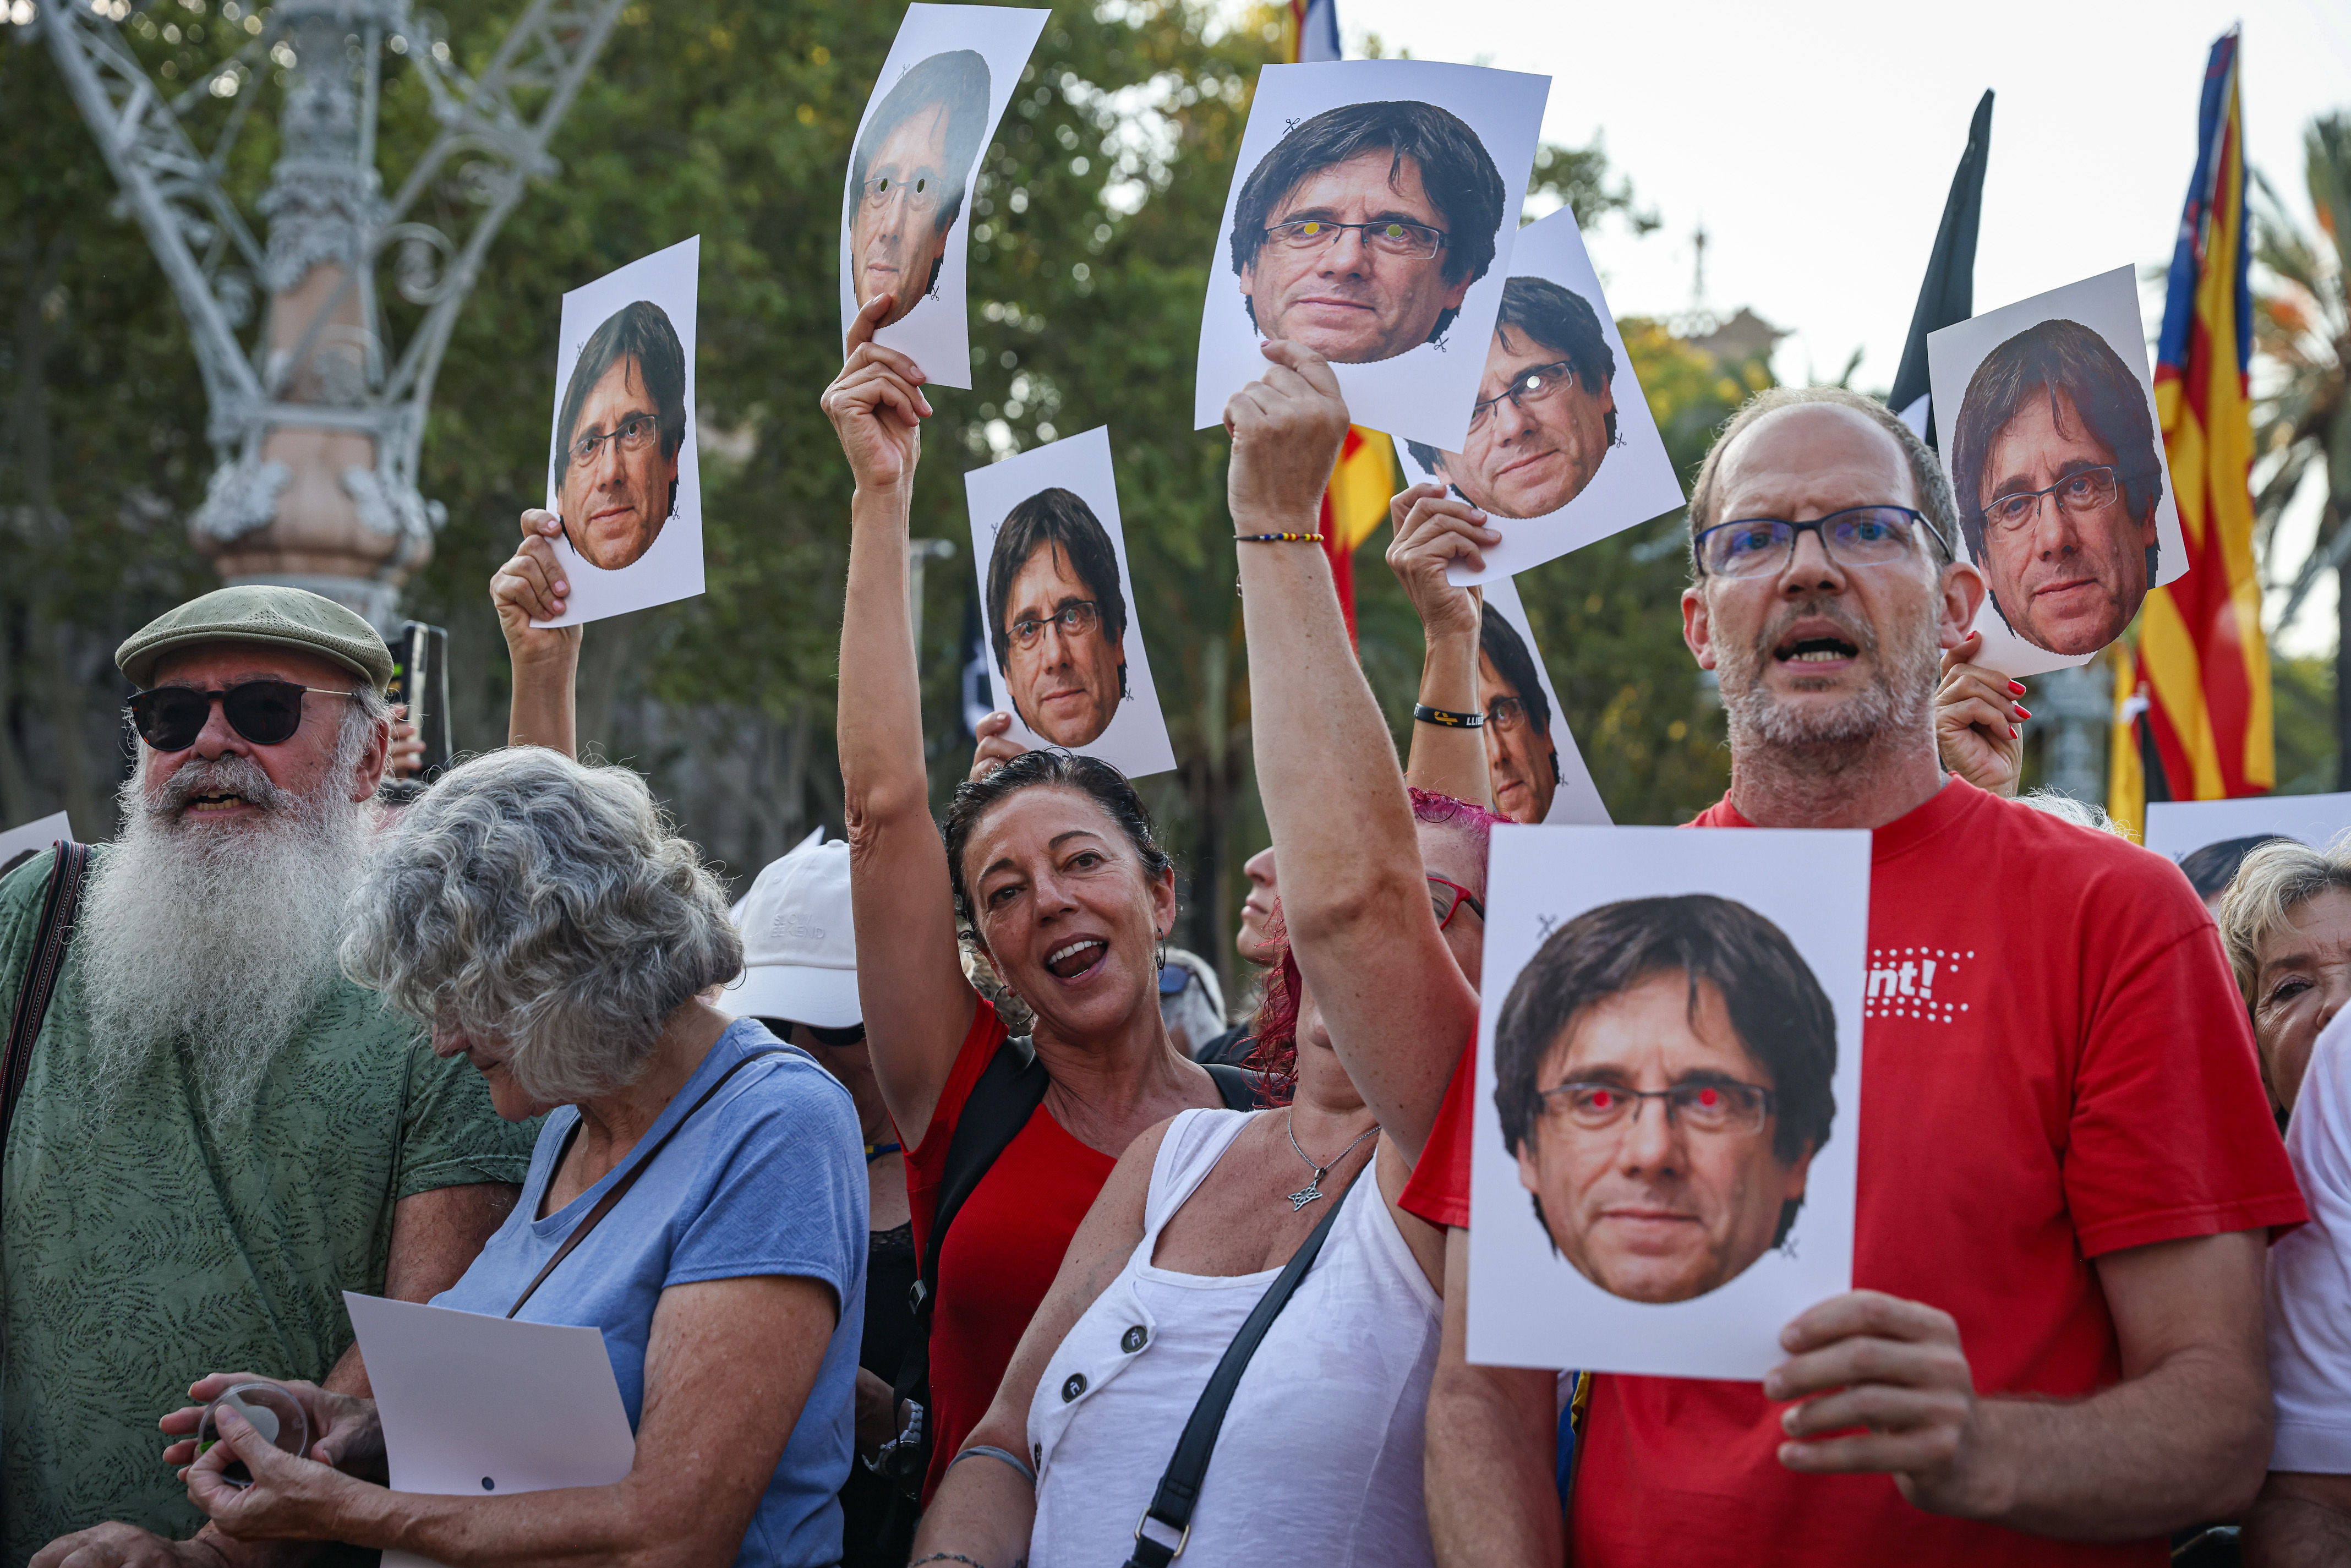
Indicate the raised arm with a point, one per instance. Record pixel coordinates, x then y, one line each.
1433 530
1353 892
531 586
984 1509
918 1007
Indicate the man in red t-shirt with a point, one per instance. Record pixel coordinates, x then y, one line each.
2054 1354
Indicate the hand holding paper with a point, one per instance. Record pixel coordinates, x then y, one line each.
877 407
1286 427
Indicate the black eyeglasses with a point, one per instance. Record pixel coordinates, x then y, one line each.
265 712
1534 384
2079 494
635 434
1858 535
1388 236
1705 1106
1076 618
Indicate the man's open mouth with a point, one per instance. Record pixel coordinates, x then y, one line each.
1814 651
1071 960
216 800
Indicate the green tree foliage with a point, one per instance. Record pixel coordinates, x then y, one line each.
1093 227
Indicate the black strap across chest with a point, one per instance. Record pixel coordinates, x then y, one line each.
60 907
1179 1486
620 1189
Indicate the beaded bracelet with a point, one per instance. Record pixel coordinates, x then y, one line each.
1276 539
1448 717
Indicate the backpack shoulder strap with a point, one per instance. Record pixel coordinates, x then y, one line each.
1010 1088
1242 1089
60 907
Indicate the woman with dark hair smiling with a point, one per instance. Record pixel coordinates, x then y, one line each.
1213 1217
1051 861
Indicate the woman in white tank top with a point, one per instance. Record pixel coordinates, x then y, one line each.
1318 1457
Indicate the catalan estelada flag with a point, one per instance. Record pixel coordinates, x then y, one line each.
1354 505
2192 717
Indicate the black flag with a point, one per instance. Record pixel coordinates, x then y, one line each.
1949 294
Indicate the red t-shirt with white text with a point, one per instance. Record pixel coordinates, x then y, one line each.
2057 1065
1005 1247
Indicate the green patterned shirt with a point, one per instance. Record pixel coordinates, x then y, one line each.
137 1254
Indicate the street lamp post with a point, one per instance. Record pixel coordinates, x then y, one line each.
317 421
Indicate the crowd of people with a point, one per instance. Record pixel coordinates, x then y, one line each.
1106 1290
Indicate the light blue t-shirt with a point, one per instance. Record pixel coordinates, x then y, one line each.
766 1179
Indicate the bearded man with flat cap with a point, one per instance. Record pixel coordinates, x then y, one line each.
218 1133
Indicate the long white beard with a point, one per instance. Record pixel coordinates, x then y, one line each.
1899 697
214 938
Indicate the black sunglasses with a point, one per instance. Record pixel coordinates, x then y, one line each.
265 712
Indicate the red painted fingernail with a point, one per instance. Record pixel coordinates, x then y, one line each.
2014 733
2016 687
2023 712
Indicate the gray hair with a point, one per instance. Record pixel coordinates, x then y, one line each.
2275 880
2081 813
1926 469
528 896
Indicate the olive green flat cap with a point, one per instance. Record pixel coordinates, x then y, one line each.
260 612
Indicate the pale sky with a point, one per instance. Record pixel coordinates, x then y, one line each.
1816 142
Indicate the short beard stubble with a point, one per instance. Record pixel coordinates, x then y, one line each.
1897 705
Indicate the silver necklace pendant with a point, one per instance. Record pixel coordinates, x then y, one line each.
1313 1190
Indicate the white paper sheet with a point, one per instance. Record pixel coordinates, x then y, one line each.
34 836
1576 802
2177 827
936 331
669 566
2108 305
1135 738
1529 1306
474 1405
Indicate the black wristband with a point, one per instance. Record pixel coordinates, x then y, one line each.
1446 718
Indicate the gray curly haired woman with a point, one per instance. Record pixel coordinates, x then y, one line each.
541 916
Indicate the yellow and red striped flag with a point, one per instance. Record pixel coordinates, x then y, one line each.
1354 505
2192 717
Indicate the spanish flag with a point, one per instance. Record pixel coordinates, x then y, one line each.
2192 717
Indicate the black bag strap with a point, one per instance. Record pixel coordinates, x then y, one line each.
1179 1486
1242 1089
1010 1088
60 908
620 1189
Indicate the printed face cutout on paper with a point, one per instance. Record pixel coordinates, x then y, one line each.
1065 653
2057 469
1664 1171
905 210
1369 221
622 474
1532 763
1562 449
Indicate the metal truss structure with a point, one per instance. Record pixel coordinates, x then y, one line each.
321 358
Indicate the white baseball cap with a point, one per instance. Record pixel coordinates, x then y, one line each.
800 949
